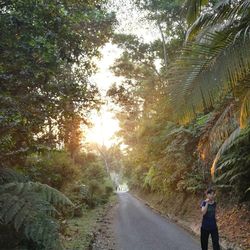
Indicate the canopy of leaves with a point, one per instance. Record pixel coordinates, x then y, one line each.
46 53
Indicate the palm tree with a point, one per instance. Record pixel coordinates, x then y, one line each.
215 60
214 64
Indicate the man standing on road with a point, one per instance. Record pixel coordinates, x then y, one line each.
209 225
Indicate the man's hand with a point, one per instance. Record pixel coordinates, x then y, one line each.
204 208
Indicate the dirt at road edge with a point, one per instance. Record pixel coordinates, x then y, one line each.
103 235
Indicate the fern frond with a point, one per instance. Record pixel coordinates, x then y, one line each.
237 176
226 163
29 206
44 230
45 192
8 175
219 131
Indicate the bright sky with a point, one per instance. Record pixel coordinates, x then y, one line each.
105 125
131 21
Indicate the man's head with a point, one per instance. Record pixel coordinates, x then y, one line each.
210 193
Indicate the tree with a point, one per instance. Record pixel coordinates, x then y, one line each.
171 24
215 59
44 43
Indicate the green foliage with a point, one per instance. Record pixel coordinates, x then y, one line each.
203 89
30 207
94 170
159 153
194 9
54 168
92 185
45 60
202 119
9 175
152 180
99 188
162 159
168 19
224 147
232 167
216 62
245 111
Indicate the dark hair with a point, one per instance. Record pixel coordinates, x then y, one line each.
209 191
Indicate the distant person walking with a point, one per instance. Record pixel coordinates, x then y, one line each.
209 225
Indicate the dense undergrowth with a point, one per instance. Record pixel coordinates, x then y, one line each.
32 213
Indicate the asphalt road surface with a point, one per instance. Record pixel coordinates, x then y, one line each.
139 228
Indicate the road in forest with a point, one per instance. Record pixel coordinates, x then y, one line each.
137 227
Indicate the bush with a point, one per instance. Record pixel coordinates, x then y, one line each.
94 187
54 168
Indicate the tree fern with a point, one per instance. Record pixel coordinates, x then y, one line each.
9 175
30 208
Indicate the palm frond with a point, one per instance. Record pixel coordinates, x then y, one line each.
245 111
227 143
193 8
210 65
225 13
219 131
232 167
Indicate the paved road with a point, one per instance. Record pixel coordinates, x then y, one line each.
139 228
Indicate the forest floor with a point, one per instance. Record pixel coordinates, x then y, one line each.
233 222
92 230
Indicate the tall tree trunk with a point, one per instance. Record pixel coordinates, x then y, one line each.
163 43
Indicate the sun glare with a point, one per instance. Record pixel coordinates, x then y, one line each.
103 130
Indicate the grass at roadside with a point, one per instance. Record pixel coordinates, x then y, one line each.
79 232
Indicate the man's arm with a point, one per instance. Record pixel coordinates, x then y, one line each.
204 207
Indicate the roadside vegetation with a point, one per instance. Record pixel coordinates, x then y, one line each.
46 175
183 108
184 104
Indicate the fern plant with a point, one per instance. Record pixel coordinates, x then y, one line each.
30 207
